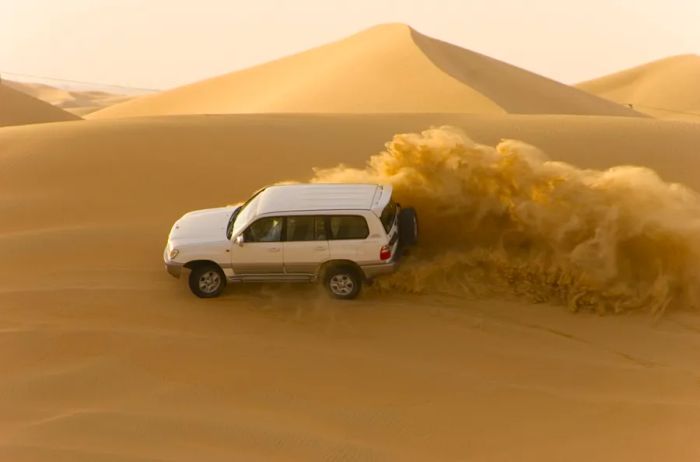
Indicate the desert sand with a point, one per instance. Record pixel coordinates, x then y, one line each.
386 69
105 357
76 102
17 108
667 88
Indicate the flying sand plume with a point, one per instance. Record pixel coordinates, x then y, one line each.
507 219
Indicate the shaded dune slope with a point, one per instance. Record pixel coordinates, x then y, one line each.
516 90
17 108
73 101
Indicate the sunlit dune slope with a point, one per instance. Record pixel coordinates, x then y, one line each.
17 108
385 69
667 88
73 101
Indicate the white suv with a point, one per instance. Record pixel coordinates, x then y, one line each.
339 234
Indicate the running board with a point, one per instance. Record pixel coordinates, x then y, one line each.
272 278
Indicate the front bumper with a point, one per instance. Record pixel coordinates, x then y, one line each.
175 269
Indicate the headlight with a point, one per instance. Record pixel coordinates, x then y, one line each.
174 253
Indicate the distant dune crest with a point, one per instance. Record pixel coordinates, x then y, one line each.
76 102
386 69
667 88
17 108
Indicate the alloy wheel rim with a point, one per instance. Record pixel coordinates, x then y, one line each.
209 282
341 284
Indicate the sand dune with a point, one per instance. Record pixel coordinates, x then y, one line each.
667 88
386 69
16 108
73 101
104 357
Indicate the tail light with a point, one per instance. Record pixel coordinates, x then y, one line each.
385 253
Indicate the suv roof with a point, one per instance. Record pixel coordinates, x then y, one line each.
313 197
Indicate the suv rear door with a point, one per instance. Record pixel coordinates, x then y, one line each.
305 244
347 236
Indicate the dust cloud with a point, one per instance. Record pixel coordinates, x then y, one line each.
506 219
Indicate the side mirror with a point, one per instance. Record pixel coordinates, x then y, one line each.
239 240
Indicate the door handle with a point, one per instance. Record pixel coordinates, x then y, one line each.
274 249
320 248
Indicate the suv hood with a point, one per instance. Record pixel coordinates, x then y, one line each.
203 225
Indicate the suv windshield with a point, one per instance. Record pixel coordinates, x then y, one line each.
388 215
244 211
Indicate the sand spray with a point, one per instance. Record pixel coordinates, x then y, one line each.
506 219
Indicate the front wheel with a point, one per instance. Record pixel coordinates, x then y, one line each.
343 283
207 281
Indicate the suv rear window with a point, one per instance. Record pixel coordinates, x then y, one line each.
388 215
348 227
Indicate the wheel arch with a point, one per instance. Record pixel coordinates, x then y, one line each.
196 263
339 263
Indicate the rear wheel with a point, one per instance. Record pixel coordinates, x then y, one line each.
343 282
408 227
207 281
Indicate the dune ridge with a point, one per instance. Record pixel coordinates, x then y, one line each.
385 69
76 102
17 108
666 88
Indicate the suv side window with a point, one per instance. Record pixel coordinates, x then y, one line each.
306 228
267 229
348 227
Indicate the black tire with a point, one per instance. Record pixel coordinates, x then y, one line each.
343 282
408 227
207 280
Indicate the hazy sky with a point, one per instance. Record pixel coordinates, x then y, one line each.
164 43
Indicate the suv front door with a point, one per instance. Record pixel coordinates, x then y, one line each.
260 255
305 245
